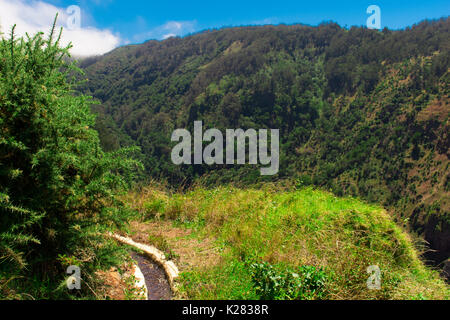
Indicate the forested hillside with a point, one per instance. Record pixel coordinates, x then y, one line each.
360 112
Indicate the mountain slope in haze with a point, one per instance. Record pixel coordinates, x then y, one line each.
360 112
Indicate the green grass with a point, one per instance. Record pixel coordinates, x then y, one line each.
295 230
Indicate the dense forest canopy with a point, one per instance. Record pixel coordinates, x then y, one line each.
361 112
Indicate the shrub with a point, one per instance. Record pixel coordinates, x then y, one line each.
153 208
57 187
281 283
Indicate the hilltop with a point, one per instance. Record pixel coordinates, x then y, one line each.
275 242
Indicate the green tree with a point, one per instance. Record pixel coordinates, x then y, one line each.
58 189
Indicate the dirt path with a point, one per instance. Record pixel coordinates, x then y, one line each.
157 285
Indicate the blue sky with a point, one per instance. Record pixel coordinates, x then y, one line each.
133 18
134 21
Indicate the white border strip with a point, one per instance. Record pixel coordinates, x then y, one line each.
140 281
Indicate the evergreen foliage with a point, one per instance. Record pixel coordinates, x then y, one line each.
58 189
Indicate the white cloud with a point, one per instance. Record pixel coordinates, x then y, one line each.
169 35
264 21
34 16
167 30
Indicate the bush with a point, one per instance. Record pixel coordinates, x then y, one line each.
153 208
57 187
303 181
303 283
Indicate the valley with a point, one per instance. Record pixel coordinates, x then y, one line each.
360 112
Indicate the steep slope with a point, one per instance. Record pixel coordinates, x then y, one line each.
360 112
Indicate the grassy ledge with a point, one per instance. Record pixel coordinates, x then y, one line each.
265 243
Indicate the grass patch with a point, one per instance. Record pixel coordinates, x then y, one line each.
300 244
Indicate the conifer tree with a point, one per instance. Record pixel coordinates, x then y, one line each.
58 189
